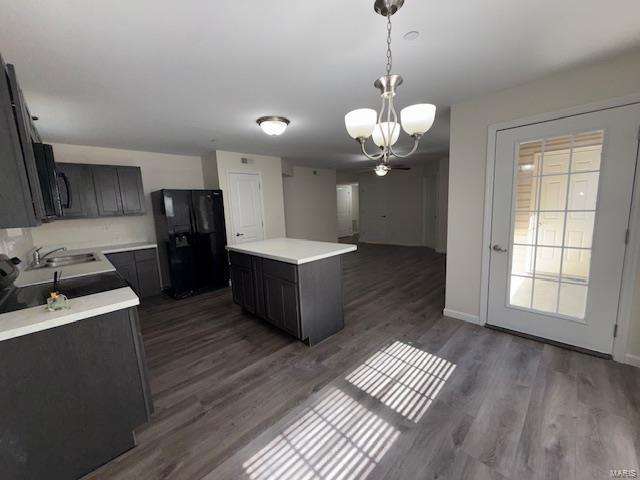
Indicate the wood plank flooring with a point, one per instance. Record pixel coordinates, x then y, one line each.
401 393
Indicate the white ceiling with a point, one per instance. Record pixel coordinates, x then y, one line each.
169 76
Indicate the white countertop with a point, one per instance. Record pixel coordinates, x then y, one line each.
35 319
293 250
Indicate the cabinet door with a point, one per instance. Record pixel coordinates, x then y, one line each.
105 180
131 191
281 304
77 194
242 287
148 278
130 274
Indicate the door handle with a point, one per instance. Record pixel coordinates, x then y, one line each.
498 248
239 234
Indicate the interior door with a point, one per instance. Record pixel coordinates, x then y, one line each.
345 225
246 208
562 196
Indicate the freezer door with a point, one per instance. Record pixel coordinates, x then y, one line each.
203 211
177 209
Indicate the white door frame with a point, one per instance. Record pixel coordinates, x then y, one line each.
632 254
231 220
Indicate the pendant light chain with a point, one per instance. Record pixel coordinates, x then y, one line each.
389 58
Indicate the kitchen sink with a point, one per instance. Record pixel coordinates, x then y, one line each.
65 260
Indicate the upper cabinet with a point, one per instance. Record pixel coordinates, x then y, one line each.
89 191
105 181
35 189
131 192
21 203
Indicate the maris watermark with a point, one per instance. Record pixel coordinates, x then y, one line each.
623 473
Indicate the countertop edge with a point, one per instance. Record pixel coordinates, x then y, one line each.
312 258
104 303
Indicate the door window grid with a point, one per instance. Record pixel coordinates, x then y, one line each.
562 287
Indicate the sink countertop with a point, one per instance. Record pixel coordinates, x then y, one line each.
45 275
293 250
35 319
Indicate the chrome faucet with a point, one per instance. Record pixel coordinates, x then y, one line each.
37 258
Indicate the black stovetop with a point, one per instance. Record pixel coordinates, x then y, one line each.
15 298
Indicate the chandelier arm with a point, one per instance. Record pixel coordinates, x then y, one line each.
369 155
416 141
382 110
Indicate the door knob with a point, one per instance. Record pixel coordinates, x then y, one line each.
498 248
239 234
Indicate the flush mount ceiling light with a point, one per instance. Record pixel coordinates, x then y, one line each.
383 126
273 125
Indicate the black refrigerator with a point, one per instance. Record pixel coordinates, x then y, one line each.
191 237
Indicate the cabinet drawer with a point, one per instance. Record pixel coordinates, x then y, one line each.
281 270
146 254
240 259
121 258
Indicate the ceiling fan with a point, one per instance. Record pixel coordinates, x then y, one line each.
383 168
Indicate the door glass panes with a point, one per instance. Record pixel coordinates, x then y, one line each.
555 200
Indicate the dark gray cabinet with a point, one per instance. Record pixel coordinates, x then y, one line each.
303 300
21 202
244 283
77 195
140 269
131 192
71 397
107 187
90 191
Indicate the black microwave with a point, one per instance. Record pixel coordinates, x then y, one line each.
48 176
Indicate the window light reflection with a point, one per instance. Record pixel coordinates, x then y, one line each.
338 438
403 377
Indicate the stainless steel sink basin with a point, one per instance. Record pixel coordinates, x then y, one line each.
65 260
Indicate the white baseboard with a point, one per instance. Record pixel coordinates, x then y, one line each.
630 359
467 317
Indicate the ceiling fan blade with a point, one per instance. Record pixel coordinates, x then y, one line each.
400 168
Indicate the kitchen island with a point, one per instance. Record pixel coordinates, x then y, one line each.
296 285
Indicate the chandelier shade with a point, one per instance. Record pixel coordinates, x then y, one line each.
361 122
385 131
417 119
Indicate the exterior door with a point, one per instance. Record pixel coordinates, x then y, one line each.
246 208
562 196
345 225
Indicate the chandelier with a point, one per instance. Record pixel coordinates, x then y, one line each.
383 126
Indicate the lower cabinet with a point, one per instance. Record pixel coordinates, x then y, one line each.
71 397
303 300
140 269
281 304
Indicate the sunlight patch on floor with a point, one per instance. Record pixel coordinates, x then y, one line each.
337 438
403 377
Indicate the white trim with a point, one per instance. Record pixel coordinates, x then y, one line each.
264 221
633 360
632 256
467 317
441 250
629 272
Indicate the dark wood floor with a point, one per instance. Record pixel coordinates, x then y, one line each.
401 393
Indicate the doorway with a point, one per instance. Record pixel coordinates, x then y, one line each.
559 217
347 202
246 208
